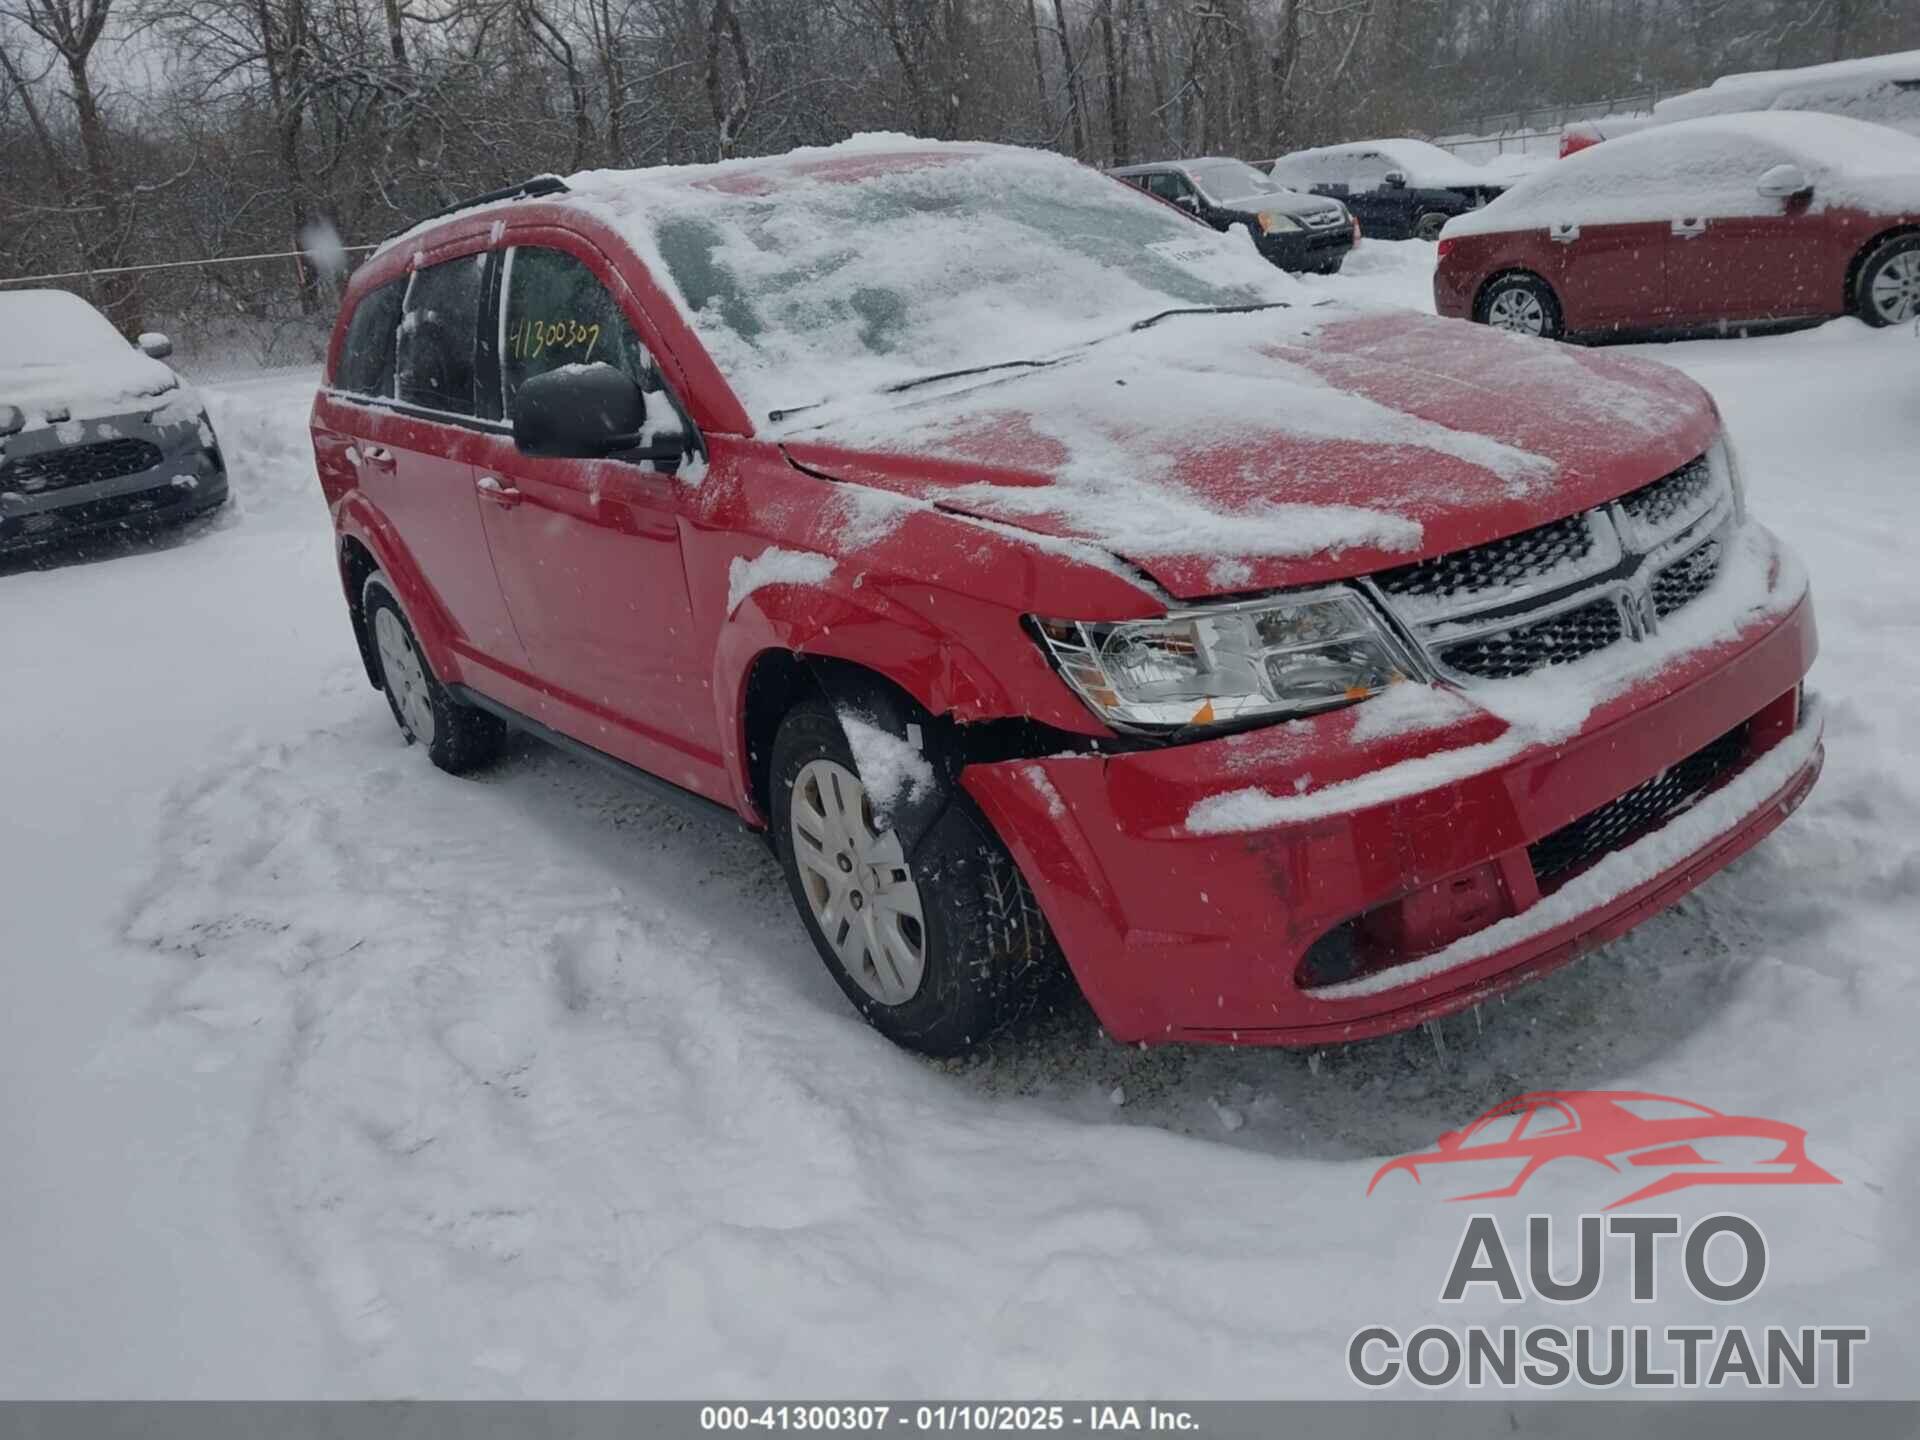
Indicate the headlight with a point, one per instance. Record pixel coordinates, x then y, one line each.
1272 222
1228 664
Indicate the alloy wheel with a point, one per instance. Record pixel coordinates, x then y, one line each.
406 677
1895 292
1519 310
857 882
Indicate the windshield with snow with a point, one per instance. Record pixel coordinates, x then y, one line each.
1223 181
811 283
56 328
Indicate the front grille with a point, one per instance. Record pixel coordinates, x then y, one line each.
1574 846
78 465
1497 565
1563 590
1558 640
1686 579
1687 490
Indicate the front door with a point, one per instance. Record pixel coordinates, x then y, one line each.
1770 264
588 552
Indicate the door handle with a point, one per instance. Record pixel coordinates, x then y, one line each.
376 457
1564 233
1689 228
498 491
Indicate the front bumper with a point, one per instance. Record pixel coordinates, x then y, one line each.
1179 936
1306 249
189 478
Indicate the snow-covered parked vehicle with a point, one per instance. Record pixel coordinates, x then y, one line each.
1731 222
1043 580
1397 189
95 434
1296 232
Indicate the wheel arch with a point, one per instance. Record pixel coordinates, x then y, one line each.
367 543
1513 272
1848 299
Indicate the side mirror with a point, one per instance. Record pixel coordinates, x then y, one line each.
1188 202
587 412
153 343
1395 180
12 420
1783 182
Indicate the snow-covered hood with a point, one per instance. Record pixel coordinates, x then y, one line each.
105 385
1226 453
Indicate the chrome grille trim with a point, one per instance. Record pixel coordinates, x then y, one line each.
1514 606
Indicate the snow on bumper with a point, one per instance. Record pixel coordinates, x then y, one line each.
1179 934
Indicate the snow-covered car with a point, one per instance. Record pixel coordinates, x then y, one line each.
1661 1144
1296 232
1735 221
1397 189
1047 574
96 435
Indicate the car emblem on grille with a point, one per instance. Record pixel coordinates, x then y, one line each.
1643 618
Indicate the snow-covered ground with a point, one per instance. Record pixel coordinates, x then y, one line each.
324 1073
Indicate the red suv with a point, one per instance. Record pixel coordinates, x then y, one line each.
1049 576
1741 220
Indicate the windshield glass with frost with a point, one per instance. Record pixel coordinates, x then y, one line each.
1228 180
52 327
850 276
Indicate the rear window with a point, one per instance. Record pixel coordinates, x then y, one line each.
434 362
366 360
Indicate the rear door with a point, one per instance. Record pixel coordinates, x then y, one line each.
413 449
588 551
1605 244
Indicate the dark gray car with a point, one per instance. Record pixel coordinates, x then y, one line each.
97 436
1294 231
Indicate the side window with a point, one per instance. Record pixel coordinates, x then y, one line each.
1366 171
435 352
366 359
1497 1131
1547 1120
558 313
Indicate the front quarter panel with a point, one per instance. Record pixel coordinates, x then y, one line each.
930 601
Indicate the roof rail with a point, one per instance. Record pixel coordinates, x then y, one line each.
526 190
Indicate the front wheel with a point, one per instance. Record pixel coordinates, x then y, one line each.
456 736
1888 292
1522 304
939 949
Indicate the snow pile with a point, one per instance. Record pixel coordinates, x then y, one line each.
773 566
889 766
1710 168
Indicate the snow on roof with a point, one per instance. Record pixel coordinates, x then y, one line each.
1884 89
1423 163
1709 168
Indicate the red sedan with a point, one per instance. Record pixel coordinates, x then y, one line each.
1739 220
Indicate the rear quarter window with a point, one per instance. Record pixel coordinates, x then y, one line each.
366 359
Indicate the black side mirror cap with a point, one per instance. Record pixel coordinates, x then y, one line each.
587 412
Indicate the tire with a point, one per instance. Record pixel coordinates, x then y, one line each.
983 950
457 737
1887 291
1523 304
1429 224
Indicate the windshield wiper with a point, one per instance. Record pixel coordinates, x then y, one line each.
1210 310
776 416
